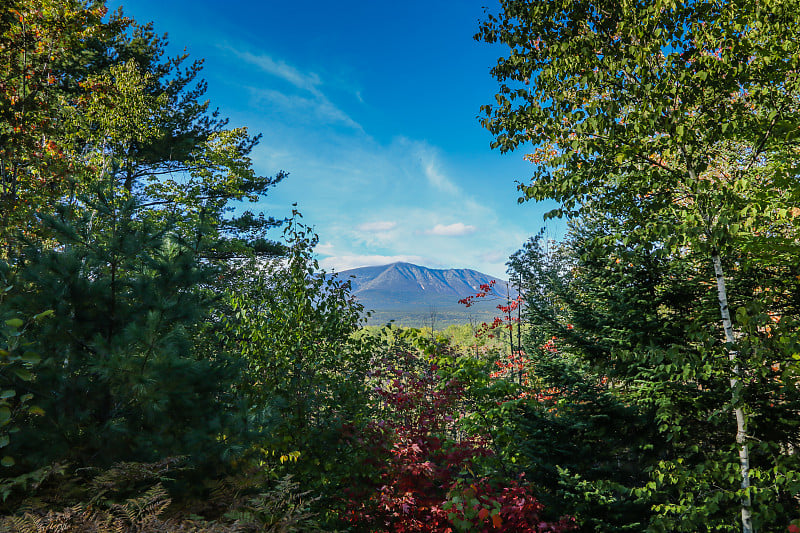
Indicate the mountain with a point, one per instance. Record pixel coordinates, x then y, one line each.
413 295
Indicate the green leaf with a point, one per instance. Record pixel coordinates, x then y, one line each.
5 415
15 323
31 357
8 393
23 374
7 461
45 314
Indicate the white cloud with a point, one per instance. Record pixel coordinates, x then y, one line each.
280 69
325 248
346 262
431 168
451 230
494 256
381 225
322 107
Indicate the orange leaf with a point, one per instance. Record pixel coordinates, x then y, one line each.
496 520
482 514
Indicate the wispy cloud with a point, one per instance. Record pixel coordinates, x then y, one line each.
382 225
436 175
429 161
318 106
494 256
451 230
306 81
309 83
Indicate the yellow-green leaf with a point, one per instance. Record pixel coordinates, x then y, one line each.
15 322
23 374
45 314
31 357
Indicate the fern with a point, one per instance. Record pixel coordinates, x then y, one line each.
137 511
245 505
125 476
134 515
30 481
284 509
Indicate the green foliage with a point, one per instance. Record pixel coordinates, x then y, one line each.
628 354
117 188
674 124
37 38
294 327
623 104
16 362
122 253
120 380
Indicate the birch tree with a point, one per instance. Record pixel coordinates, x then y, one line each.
680 118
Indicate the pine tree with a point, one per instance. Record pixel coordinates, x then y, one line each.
121 379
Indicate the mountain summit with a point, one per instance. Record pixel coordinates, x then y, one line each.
414 295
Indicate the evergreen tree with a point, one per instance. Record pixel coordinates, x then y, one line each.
120 379
130 245
619 348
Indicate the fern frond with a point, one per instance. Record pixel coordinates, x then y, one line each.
125 475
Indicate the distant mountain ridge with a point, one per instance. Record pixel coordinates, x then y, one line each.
414 295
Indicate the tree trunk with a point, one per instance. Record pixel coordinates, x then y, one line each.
741 428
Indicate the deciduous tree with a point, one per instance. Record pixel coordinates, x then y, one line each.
680 118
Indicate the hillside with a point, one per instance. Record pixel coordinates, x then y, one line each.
413 295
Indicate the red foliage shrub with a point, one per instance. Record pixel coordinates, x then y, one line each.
426 481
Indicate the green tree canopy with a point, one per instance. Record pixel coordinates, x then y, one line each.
678 119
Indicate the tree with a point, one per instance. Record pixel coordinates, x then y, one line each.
678 118
294 326
75 89
120 380
610 331
188 165
125 254
38 38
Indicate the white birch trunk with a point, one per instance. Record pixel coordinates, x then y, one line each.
741 428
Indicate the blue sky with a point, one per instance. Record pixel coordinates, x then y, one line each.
371 107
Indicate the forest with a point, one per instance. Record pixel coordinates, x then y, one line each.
169 362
